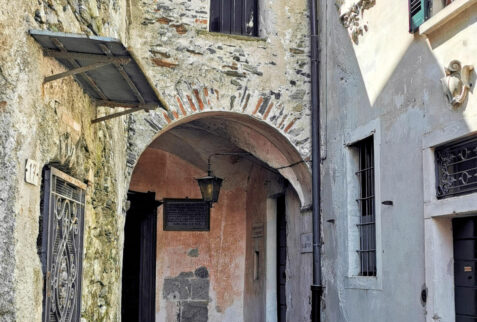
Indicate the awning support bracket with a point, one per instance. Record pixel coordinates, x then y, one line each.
74 71
146 107
124 84
88 79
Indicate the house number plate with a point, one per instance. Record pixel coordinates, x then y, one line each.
32 172
467 268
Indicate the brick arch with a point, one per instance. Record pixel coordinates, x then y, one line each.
248 115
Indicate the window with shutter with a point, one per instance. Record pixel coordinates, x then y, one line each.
234 17
418 13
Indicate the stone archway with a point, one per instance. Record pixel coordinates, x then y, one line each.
267 140
232 263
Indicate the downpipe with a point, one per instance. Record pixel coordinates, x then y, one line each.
317 287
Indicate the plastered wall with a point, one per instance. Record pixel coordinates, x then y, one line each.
391 78
229 289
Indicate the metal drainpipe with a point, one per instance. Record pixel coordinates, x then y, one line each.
316 288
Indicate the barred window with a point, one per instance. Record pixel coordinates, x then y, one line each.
366 201
456 168
234 17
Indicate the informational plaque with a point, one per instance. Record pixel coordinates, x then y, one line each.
186 215
257 230
306 243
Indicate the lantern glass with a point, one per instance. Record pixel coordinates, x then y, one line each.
210 188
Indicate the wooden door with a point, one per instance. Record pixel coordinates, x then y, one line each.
281 259
465 278
139 259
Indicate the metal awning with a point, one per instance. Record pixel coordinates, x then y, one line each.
104 68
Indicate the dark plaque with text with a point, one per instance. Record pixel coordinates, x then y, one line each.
186 215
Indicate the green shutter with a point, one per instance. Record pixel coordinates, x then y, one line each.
417 13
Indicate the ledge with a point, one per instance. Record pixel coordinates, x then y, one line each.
201 32
445 15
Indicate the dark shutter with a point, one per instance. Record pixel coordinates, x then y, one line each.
62 245
237 17
214 23
226 15
234 17
418 13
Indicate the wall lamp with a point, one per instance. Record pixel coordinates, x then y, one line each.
210 184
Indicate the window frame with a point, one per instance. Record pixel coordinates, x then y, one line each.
353 280
367 207
438 215
249 12
439 14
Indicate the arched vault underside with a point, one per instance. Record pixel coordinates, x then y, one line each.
225 132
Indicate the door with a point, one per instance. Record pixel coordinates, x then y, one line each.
465 258
281 259
139 259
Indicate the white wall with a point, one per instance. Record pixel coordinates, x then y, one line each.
390 77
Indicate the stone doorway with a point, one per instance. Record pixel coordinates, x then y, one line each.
219 274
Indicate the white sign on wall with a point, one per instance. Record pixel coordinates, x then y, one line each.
307 243
32 172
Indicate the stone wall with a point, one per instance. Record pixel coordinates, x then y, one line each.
50 123
198 71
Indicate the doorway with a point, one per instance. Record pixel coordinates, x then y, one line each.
281 259
465 258
139 259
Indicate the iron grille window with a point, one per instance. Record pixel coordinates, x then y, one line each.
234 17
456 168
366 201
62 245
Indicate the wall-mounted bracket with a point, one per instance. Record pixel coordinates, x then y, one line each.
107 71
146 107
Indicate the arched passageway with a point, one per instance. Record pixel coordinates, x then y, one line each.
236 270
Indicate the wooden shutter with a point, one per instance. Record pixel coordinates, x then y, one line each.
418 13
214 24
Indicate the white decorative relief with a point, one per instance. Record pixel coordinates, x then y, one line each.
456 83
351 16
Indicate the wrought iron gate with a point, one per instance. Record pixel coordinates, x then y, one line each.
62 245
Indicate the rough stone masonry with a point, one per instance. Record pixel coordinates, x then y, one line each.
195 71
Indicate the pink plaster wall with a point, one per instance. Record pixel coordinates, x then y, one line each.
221 250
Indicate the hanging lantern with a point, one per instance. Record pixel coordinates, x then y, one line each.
210 187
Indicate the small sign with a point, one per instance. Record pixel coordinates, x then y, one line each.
467 268
32 172
306 243
186 215
257 230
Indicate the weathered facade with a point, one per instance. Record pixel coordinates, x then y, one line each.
380 80
252 92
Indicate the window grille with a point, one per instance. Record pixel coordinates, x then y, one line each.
456 168
61 243
366 201
234 17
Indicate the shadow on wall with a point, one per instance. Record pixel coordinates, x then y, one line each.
410 104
